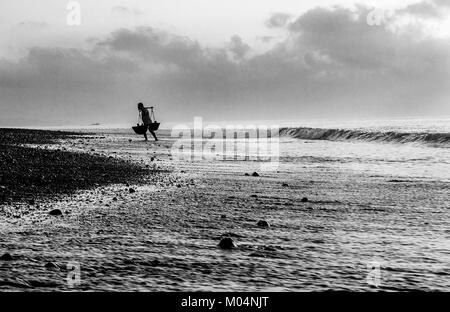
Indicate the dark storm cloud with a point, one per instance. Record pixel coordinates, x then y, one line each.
155 46
347 40
332 63
238 47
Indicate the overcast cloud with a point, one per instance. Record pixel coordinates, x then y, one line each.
331 63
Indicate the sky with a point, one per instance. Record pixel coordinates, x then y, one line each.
222 60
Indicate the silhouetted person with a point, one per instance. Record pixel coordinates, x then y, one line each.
146 120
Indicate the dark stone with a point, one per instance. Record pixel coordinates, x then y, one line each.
223 216
227 243
114 198
284 185
246 174
51 265
255 174
254 195
132 190
6 257
55 212
263 223
304 200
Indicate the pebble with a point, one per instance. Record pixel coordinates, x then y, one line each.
246 174
284 185
51 265
55 212
223 216
227 243
255 174
304 200
6 257
132 190
263 223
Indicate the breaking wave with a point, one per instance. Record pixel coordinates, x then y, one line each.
441 139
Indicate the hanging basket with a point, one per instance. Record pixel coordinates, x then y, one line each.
153 126
142 129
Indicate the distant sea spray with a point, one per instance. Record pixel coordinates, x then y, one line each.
439 139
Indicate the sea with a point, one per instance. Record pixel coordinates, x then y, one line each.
413 147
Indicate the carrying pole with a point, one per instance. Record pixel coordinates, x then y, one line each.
152 114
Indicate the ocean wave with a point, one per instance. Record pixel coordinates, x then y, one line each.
441 139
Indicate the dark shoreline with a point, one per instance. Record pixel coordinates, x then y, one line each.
31 173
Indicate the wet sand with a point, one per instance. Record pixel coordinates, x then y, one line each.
164 236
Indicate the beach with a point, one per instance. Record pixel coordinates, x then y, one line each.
361 216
